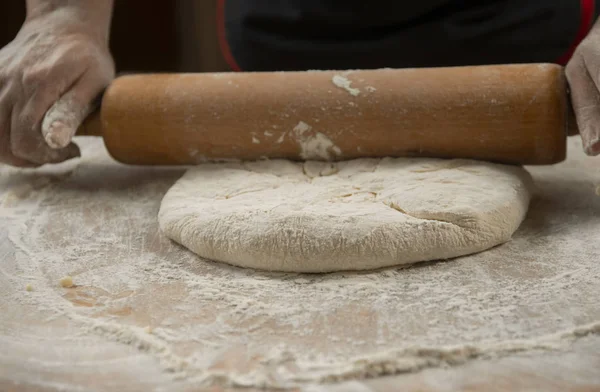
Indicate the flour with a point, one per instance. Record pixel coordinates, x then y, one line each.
318 146
220 325
61 122
141 339
314 145
343 82
417 358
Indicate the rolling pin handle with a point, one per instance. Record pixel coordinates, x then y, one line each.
92 126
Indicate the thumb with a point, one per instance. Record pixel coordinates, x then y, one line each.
66 115
585 98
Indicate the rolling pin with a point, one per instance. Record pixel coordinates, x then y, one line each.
516 114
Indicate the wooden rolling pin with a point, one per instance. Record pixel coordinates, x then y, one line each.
509 113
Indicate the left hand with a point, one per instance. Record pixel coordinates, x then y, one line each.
583 74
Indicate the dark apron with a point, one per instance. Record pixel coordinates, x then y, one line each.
264 35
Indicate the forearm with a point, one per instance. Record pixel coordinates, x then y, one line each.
95 14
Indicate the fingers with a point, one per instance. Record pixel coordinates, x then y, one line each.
63 119
44 104
6 155
585 98
24 101
26 140
48 78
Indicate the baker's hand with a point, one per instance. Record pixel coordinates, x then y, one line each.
583 74
49 76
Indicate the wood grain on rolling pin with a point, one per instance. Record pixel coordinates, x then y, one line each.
510 113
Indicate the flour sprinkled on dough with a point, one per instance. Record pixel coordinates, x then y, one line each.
353 215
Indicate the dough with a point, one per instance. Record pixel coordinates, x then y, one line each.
66 282
355 215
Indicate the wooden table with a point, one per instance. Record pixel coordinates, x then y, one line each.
145 314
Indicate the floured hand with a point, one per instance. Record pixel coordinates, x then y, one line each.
49 76
583 73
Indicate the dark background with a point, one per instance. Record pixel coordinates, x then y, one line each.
148 36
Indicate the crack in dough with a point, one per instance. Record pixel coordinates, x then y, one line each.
396 207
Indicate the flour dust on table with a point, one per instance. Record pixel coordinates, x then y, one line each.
355 215
146 314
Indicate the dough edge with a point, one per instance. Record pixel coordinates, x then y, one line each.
248 250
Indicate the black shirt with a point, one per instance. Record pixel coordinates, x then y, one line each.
341 34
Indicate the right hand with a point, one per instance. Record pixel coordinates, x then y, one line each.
583 74
49 76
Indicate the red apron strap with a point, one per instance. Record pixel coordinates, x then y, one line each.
222 34
587 21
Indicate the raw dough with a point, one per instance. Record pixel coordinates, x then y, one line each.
66 282
355 215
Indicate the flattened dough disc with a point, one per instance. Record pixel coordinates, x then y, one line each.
354 215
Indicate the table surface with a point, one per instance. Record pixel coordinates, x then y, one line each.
145 314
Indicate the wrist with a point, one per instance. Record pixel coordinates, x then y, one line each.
91 16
